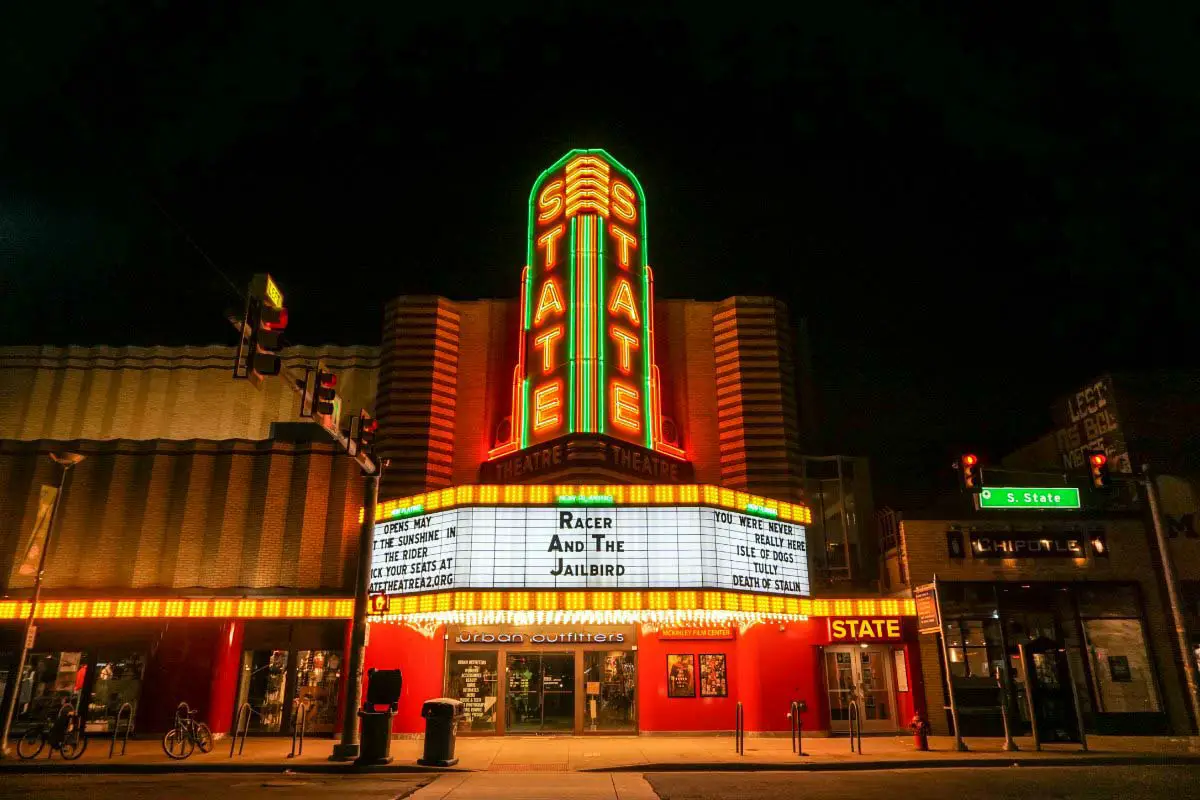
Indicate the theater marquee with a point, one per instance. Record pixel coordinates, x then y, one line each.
650 547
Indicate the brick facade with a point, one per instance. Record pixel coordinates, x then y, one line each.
195 516
101 393
925 552
727 372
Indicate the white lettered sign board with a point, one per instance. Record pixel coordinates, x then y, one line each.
556 548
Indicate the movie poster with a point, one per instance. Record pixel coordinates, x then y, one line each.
681 676
713 682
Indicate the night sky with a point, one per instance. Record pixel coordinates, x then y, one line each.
976 210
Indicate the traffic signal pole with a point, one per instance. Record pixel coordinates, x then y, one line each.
1177 618
348 748
269 318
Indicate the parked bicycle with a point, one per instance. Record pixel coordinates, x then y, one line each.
187 734
64 733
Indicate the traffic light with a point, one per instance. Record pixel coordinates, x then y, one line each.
263 326
970 477
266 330
1098 467
364 431
326 394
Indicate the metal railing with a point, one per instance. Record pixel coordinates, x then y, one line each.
797 726
739 730
117 727
299 726
245 710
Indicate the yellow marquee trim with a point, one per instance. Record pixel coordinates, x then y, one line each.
626 602
623 495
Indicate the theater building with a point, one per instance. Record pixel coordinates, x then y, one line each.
593 514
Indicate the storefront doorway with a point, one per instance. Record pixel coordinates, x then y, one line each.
863 673
543 680
541 692
284 665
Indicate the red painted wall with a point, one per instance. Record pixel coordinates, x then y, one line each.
422 661
180 669
226 671
767 669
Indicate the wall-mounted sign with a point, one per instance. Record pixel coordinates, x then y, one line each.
634 547
928 618
585 361
954 544
601 451
549 637
860 629
714 679
681 675
708 632
1026 544
1088 420
1024 497
901 670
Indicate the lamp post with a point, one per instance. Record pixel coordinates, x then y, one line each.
66 461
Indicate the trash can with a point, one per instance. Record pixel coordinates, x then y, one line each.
375 742
441 726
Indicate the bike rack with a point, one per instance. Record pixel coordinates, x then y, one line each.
117 726
241 729
797 729
739 730
299 726
855 726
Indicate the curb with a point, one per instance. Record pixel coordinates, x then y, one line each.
104 768
1180 759
157 768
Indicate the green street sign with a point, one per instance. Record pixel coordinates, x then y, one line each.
1029 497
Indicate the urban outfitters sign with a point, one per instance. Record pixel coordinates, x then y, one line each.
486 547
1029 497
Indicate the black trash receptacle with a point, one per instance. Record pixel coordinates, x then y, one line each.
375 742
441 727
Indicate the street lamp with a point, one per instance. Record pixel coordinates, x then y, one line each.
66 461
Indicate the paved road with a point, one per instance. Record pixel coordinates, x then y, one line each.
209 787
1011 783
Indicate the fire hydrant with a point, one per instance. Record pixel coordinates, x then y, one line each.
920 729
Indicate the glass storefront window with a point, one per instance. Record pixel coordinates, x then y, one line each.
263 686
1121 666
118 681
973 633
472 678
967 600
318 673
610 690
48 681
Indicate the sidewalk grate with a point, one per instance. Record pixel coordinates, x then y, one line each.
539 767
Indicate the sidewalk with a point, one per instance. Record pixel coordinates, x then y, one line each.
631 754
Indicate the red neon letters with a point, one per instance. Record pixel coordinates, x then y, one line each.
586 356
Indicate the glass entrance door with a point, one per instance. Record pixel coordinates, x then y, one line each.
540 692
859 673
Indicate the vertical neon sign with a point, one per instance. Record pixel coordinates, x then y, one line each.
586 355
